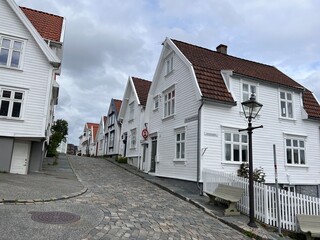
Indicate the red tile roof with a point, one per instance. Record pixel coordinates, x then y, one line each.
142 87
117 103
207 65
48 25
94 127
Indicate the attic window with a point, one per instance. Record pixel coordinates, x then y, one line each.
169 64
10 52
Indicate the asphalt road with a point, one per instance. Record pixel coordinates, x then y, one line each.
117 205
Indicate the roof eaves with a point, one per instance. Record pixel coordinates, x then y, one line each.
231 103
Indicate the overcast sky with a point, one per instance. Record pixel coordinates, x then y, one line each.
108 40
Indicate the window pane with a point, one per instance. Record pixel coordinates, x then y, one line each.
183 136
169 109
227 136
228 152
6 43
295 143
290 114
253 89
245 87
6 94
172 106
236 137
282 95
244 138
289 156
165 109
302 157
245 96
4 56
16 109
288 142
182 149
178 137
173 93
4 108
17 45
244 154
301 144
18 95
236 153
283 109
178 151
295 156
289 96
15 59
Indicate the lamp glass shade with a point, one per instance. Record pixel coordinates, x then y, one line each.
251 107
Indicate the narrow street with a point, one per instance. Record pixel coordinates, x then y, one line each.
117 205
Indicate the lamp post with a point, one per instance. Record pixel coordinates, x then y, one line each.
251 108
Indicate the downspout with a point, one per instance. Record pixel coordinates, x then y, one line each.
198 149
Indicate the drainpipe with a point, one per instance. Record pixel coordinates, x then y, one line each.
198 149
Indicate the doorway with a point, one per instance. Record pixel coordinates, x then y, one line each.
153 154
20 157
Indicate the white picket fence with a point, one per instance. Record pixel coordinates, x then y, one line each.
291 204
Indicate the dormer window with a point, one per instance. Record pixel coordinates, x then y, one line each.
286 104
247 90
10 52
169 64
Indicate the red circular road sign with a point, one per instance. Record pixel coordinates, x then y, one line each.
145 133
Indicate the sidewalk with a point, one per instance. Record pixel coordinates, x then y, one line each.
54 182
188 191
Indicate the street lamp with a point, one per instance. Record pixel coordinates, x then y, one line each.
251 108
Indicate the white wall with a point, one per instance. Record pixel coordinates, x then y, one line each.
215 118
35 78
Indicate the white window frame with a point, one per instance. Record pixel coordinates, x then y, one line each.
169 101
156 102
289 144
180 145
133 138
10 50
249 92
287 103
12 100
111 119
111 139
131 111
169 64
241 141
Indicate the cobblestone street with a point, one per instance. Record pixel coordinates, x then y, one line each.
136 209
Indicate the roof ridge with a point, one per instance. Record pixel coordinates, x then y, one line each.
55 15
227 55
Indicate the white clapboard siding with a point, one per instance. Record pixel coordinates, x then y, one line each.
35 77
216 118
186 106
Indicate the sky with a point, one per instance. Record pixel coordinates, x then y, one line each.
107 41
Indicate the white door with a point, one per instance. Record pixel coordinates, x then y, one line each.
20 157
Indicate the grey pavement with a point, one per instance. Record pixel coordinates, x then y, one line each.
120 203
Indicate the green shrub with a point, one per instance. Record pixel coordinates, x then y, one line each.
258 173
121 159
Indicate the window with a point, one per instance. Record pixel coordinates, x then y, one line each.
169 103
169 65
289 188
247 90
155 102
295 151
286 103
111 119
10 52
180 145
133 140
11 103
131 109
111 139
235 147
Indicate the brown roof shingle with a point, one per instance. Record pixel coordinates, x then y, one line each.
142 87
207 65
48 25
117 103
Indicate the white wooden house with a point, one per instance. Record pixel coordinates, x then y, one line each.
100 138
194 114
131 116
113 129
87 145
31 47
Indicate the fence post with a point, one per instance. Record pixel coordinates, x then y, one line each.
277 187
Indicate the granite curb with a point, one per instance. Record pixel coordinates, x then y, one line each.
247 232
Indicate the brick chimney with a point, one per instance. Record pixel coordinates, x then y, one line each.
222 49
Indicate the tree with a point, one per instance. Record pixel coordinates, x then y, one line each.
59 132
